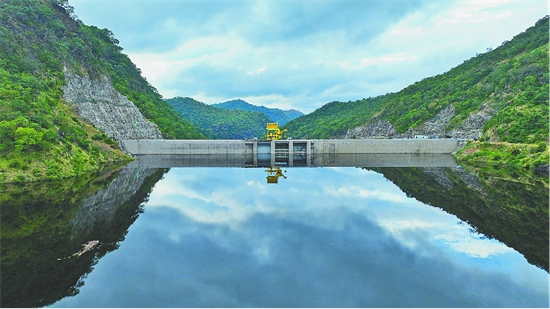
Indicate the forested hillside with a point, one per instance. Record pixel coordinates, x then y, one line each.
220 123
276 115
42 137
507 88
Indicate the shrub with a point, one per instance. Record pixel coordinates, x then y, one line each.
14 163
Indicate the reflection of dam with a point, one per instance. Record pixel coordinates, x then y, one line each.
297 160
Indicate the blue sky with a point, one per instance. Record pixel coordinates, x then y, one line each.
302 54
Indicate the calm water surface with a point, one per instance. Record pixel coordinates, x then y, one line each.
321 237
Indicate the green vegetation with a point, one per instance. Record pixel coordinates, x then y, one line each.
276 115
516 154
333 119
510 82
40 136
220 123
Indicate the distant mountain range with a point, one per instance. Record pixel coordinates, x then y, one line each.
219 123
276 115
234 119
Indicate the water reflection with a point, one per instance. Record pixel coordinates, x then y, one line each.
273 174
317 160
330 237
43 222
321 237
508 204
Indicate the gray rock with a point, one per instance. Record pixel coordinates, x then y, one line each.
107 109
376 128
470 128
434 127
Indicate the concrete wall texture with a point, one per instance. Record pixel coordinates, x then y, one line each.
329 146
386 146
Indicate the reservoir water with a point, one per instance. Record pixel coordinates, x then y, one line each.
188 236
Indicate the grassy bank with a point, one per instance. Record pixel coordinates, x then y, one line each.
526 156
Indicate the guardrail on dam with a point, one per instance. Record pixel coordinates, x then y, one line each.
291 147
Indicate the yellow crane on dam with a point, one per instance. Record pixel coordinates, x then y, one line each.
273 132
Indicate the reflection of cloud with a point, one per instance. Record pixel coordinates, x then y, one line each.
262 248
482 249
453 236
233 199
359 192
292 260
255 184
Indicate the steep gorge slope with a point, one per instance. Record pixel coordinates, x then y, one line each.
61 81
107 109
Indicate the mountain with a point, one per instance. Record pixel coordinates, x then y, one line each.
276 115
500 96
220 123
68 93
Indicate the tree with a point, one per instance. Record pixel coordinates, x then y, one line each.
27 137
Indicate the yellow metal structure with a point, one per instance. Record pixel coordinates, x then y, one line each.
273 132
273 174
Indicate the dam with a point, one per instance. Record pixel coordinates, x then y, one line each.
293 153
291 147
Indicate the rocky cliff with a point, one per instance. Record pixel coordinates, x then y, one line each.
438 126
107 109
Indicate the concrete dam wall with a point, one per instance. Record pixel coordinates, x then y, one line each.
291 147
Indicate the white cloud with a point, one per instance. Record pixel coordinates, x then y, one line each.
256 72
303 54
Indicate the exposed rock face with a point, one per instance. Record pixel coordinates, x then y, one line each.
471 128
435 126
107 109
377 128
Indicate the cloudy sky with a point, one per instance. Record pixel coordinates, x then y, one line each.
302 54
